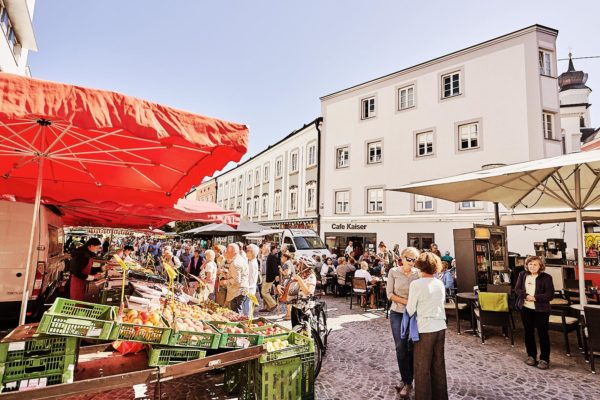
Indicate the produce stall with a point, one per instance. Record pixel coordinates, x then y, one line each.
150 330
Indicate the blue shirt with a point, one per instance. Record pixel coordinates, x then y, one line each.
447 279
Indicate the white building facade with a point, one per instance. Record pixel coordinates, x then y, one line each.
206 191
277 187
17 35
493 103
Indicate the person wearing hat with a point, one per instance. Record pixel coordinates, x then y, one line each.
306 282
81 267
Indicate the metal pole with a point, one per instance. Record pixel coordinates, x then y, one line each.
496 214
580 262
36 209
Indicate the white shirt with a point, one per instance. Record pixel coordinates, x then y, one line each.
252 276
311 280
361 273
349 250
530 290
212 268
325 269
427 297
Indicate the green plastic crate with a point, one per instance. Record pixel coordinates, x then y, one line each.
77 318
28 384
112 297
265 321
141 333
298 345
261 331
37 367
44 346
201 340
236 340
291 378
158 355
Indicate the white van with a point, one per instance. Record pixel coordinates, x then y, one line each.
47 261
302 242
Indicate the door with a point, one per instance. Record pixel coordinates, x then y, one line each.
421 241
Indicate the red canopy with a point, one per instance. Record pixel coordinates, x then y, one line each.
109 214
104 146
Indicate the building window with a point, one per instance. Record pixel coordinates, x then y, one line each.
545 63
220 193
367 108
240 184
278 165
257 177
342 157
375 200
294 161
424 144
406 97
468 136
239 206
311 195
248 207
470 205
249 180
277 202
423 203
266 173
451 85
374 152
342 202
547 122
312 155
265 204
294 199
256 209
421 241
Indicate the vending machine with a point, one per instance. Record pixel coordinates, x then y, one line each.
481 257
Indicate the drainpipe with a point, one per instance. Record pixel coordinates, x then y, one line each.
318 122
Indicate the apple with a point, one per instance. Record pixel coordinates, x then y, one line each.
144 316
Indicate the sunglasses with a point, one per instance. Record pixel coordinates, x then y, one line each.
410 259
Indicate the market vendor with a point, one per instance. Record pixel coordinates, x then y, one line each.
81 268
125 254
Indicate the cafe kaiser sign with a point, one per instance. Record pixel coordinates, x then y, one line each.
343 227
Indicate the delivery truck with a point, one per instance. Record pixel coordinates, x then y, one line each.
47 261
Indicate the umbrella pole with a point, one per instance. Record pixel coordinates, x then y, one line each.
36 209
580 262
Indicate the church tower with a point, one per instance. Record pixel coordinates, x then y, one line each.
575 109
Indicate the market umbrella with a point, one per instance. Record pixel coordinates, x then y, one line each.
226 230
110 214
570 181
68 142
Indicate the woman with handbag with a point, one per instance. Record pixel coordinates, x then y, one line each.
535 290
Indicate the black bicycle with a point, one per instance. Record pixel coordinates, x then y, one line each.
312 313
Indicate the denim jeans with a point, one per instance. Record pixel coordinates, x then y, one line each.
404 353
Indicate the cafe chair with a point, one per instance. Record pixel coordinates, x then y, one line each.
492 310
505 288
459 310
592 333
360 290
559 321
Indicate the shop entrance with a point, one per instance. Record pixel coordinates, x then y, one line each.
337 242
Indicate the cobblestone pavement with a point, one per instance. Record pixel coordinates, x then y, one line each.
361 364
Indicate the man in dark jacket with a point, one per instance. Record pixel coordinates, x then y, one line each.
272 273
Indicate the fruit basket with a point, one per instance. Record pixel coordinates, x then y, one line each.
234 335
272 331
77 318
293 345
159 355
144 327
191 333
258 323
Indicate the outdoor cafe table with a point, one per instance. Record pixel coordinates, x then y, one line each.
471 298
592 296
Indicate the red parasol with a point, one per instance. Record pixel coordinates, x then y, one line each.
77 143
109 214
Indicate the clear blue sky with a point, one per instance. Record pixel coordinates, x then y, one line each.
266 63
